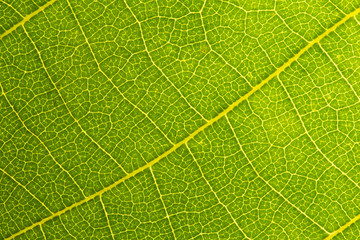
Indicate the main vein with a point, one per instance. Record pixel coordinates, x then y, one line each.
27 18
342 228
199 130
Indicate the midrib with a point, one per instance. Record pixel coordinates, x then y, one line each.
26 19
192 135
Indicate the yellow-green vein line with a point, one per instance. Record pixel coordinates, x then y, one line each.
26 19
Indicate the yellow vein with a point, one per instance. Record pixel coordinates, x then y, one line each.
26 19
200 129
342 228
162 202
43 233
107 218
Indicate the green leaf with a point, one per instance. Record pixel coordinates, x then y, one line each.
164 119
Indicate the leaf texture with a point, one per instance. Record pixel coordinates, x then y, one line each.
179 119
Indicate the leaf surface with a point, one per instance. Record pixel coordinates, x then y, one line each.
179 119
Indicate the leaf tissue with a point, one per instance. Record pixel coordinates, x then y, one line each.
179 119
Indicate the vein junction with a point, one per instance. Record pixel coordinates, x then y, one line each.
192 135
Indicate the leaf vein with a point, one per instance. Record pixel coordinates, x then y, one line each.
27 18
107 217
162 202
342 228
